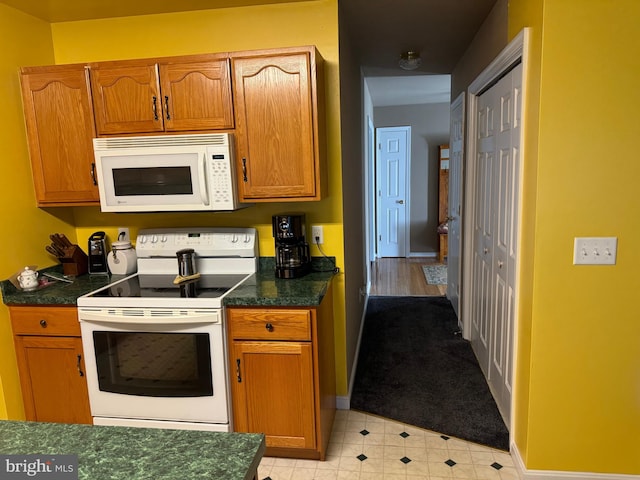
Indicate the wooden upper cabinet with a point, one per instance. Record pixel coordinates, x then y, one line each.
278 110
184 94
60 128
197 95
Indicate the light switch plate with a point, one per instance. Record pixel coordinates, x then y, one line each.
595 250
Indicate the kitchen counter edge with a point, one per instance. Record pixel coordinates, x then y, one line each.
261 289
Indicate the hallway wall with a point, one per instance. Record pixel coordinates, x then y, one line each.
429 128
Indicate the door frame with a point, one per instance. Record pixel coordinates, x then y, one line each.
514 52
407 190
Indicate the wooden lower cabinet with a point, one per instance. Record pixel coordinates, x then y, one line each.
51 364
283 377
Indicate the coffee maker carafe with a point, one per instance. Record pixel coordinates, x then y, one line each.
292 251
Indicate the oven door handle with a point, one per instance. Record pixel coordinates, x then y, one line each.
96 315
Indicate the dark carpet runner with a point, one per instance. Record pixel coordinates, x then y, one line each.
415 368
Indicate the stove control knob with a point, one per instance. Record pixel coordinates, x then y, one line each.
234 239
142 239
154 239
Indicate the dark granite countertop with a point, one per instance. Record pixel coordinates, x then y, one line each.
264 289
261 289
58 293
128 453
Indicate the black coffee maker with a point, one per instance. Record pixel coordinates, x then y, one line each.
292 250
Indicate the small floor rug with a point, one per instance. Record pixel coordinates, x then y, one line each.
414 367
435 274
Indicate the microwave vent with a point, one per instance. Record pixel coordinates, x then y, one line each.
221 139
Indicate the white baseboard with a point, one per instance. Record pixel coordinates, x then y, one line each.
526 474
423 254
343 403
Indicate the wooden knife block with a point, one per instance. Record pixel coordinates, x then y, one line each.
75 261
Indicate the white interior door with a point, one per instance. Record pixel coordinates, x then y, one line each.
456 145
482 229
495 223
506 202
392 199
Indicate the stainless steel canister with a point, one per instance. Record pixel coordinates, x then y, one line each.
186 262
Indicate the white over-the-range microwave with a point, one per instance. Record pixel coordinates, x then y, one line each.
166 173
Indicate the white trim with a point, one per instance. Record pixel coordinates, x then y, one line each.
423 254
558 474
345 402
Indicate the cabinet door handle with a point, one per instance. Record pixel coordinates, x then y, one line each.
269 327
166 107
244 170
93 173
79 366
155 108
43 323
238 376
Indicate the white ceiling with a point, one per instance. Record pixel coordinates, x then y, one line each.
417 89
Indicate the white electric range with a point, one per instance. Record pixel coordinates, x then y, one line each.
155 350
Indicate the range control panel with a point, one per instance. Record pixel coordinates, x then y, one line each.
205 241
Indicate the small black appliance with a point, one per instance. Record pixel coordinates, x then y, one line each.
292 250
98 253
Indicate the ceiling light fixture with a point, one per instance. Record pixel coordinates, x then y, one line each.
410 60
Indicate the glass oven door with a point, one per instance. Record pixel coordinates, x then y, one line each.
169 367
154 364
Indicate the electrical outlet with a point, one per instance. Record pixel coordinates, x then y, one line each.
123 234
595 250
317 236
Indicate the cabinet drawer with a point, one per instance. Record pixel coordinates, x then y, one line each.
45 321
270 324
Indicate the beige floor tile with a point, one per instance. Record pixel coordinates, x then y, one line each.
332 462
373 465
417 467
281 473
348 475
486 472
326 475
384 448
350 463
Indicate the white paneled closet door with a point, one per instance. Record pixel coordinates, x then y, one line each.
495 239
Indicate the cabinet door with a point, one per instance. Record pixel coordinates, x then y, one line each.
276 127
52 378
197 95
126 98
273 392
60 129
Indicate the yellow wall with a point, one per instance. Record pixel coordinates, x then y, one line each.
230 29
25 227
580 407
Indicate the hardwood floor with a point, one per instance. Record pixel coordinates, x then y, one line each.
397 277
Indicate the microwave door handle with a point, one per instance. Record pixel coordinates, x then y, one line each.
204 194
